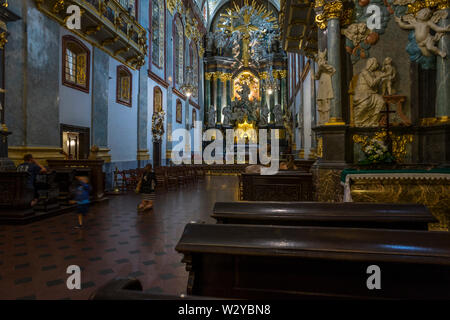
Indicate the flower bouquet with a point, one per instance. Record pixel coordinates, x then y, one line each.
376 152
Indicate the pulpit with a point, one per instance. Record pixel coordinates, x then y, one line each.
428 187
92 168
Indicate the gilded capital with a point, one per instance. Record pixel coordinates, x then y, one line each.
208 75
334 9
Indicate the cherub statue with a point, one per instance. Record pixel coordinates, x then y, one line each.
227 115
389 74
356 32
325 92
423 21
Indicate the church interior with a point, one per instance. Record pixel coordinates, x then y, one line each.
230 149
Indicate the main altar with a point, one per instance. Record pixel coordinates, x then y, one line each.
246 73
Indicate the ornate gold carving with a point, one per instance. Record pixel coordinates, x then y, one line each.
327 185
92 30
333 9
443 119
174 5
399 142
334 121
319 152
430 192
282 74
58 6
263 75
110 41
208 75
3 39
425 122
216 75
418 5
225 76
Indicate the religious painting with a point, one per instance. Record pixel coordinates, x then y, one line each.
157 99
76 62
179 112
123 86
249 79
194 117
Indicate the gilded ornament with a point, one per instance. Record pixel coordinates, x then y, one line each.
58 6
334 9
3 40
208 75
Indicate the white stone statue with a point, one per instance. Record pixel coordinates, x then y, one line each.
264 115
278 114
212 117
422 23
389 72
227 115
367 102
325 91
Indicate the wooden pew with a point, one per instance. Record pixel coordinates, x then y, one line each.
325 214
279 262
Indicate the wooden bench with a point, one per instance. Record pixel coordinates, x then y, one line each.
346 214
279 262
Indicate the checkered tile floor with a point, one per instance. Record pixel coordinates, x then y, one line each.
116 242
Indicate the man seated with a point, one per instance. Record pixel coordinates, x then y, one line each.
31 166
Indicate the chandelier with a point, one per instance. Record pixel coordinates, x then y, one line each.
189 88
270 84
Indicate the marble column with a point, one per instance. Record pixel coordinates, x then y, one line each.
283 92
219 100
224 97
100 78
443 74
229 92
142 121
334 59
207 90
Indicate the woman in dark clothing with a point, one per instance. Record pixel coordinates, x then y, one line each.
146 187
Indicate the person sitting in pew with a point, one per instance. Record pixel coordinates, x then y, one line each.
33 167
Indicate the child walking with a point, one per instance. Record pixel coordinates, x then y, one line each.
82 199
146 187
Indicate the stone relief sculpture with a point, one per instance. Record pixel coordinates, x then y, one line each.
278 113
390 73
264 115
325 91
227 115
212 117
158 125
367 102
422 23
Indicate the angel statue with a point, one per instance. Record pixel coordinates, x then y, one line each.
423 21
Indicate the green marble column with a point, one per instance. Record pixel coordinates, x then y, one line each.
219 100
228 92
207 92
283 93
443 75
334 59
